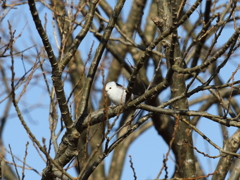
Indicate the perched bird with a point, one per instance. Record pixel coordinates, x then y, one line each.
116 93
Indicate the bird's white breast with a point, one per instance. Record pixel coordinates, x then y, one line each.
117 96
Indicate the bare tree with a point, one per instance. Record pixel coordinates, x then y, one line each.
69 49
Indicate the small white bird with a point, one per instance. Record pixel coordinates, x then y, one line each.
116 93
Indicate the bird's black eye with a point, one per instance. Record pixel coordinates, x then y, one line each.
110 88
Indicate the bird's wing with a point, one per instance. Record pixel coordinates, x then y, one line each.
119 85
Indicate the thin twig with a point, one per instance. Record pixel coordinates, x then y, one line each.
24 161
131 165
15 166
